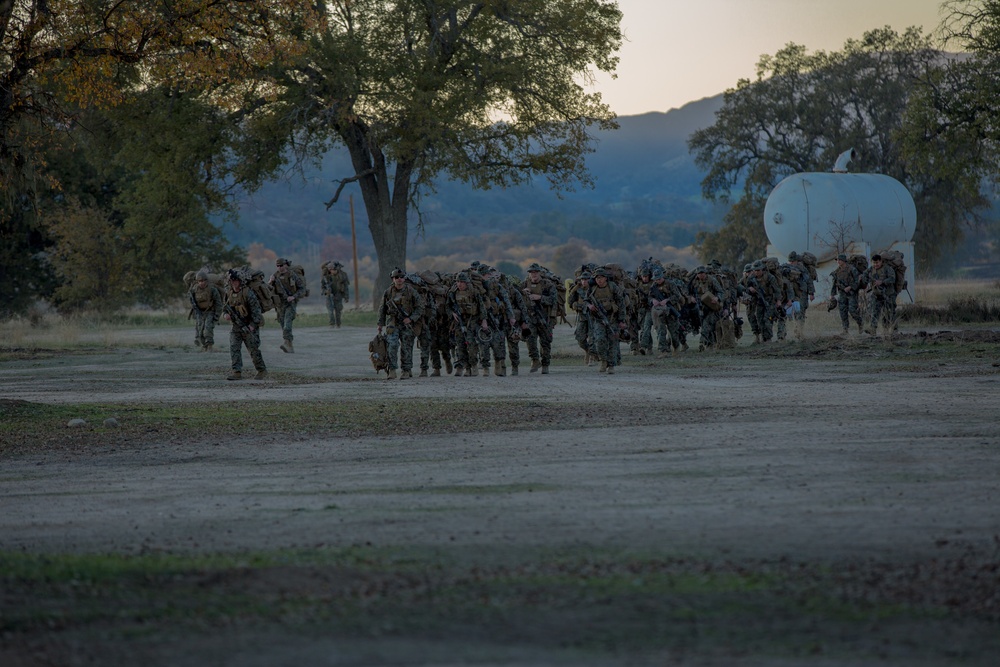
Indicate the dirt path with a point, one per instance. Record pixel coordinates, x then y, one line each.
858 453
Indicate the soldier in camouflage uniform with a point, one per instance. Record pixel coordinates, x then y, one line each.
540 298
805 291
606 303
711 296
844 290
402 308
243 310
519 307
765 291
206 303
438 319
289 288
337 290
881 281
500 315
665 301
643 312
468 313
578 302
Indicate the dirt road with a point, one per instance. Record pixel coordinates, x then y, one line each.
827 451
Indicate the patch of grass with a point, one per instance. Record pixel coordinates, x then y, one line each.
956 310
598 601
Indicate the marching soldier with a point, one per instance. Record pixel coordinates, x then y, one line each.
243 309
540 296
337 290
402 307
206 303
289 288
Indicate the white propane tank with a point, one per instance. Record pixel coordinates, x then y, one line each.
817 212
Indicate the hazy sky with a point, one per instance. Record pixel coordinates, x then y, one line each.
678 51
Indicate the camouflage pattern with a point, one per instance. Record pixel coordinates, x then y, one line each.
206 303
540 323
881 282
468 310
399 304
607 326
701 284
844 289
336 288
249 316
289 288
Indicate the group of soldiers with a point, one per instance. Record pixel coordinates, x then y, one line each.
469 321
233 296
475 320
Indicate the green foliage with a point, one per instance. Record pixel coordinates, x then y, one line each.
488 93
804 109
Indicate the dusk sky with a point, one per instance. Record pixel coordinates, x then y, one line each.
678 51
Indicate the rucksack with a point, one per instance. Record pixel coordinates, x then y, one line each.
257 282
810 262
299 269
859 262
894 258
378 352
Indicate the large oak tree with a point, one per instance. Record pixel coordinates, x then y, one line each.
491 92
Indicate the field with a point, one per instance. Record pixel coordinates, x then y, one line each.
820 502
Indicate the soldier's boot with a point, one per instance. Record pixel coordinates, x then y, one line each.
611 369
604 366
447 366
436 373
471 372
198 342
498 369
684 347
235 375
513 369
663 355
756 339
261 375
286 345
208 348
535 365
405 375
859 328
486 371
458 371
390 374
545 370
423 373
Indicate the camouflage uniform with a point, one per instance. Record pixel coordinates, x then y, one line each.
701 285
845 291
578 302
500 315
337 289
246 328
206 303
289 288
665 299
539 317
519 307
881 280
400 302
644 313
607 319
469 314
765 291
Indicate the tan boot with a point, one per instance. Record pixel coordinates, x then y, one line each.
448 367
286 346
498 369
436 373
405 375
390 374
235 375
423 373
535 365
545 370
611 369
513 369
603 367
473 371
208 348
261 375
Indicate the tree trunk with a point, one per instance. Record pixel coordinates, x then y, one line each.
386 202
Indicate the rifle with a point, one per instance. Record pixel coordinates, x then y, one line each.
461 323
603 314
401 314
235 317
543 317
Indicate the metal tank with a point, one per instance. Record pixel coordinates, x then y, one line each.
820 212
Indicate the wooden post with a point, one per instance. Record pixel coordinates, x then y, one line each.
354 246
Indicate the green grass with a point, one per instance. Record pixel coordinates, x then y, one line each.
601 602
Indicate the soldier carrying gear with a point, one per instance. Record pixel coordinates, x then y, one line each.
289 288
206 305
336 287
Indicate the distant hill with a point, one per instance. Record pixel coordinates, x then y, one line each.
643 175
